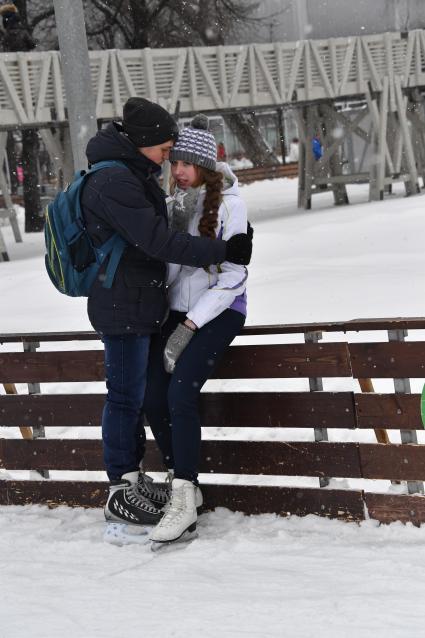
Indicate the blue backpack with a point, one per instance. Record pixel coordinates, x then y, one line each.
72 261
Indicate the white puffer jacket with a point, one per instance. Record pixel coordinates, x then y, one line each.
205 293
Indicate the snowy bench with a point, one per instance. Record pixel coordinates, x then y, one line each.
279 388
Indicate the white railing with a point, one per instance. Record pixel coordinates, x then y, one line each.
212 78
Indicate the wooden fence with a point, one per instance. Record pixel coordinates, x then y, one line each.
244 175
248 175
309 358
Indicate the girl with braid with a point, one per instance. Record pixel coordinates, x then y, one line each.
207 311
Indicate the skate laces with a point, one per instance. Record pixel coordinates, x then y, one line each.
174 509
147 487
135 498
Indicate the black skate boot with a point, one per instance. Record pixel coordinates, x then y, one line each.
126 505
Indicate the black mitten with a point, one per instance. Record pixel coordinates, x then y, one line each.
239 248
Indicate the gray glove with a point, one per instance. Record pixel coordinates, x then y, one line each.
175 345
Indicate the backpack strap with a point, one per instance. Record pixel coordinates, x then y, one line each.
97 166
117 250
115 245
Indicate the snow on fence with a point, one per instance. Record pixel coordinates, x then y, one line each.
308 358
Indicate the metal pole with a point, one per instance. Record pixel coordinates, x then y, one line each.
301 19
75 62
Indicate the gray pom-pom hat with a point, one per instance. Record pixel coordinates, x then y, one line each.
196 144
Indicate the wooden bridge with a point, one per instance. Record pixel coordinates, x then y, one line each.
216 78
383 73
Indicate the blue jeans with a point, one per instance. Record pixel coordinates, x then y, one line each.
126 361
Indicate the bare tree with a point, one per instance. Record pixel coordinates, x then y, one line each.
17 36
136 24
39 19
173 23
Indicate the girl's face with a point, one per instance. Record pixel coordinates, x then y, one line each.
184 174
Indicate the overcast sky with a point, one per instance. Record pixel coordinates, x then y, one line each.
333 18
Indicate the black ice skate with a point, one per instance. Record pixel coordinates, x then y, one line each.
126 505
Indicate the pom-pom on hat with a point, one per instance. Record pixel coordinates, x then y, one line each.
196 144
147 123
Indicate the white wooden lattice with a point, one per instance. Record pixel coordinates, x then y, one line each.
213 78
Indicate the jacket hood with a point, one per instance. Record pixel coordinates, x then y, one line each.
111 143
231 184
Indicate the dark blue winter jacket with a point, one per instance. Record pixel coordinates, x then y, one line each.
131 202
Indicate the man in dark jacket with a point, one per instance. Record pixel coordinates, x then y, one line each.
129 201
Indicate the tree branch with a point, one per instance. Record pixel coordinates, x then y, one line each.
40 17
156 12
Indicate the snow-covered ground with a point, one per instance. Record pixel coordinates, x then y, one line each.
330 263
244 576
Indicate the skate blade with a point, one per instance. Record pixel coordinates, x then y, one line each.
180 543
123 534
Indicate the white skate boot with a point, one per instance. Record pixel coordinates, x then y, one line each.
180 515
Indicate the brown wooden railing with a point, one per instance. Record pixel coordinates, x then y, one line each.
248 175
310 358
244 175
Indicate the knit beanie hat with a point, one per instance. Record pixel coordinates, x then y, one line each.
196 144
147 123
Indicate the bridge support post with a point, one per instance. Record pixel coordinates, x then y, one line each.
4 255
333 138
58 146
301 157
416 117
412 186
325 173
379 112
9 209
306 159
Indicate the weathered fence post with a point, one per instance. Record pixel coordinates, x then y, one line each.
402 386
316 385
34 388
